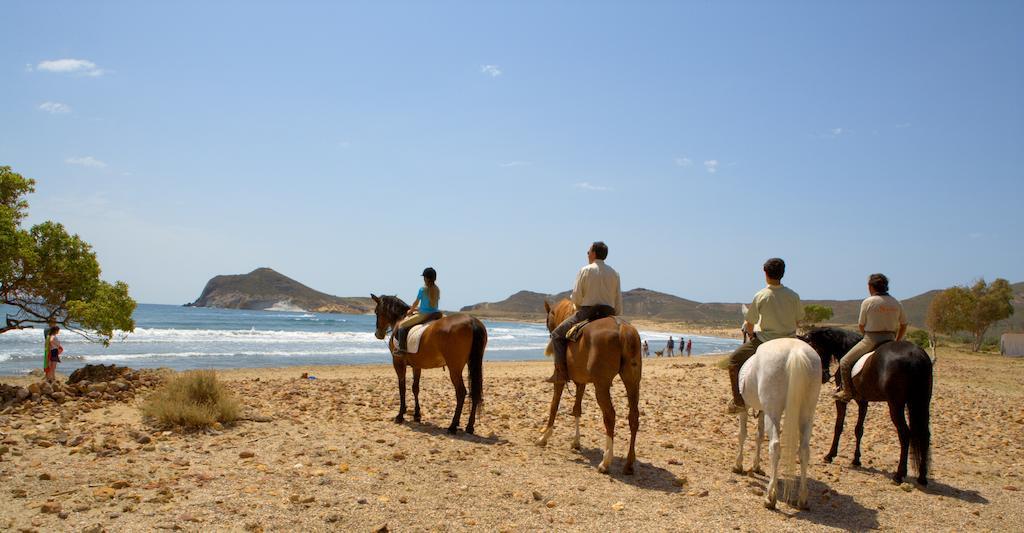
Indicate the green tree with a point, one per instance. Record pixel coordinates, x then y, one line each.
972 310
52 277
815 314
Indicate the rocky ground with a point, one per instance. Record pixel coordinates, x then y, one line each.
324 454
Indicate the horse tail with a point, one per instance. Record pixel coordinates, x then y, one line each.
799 399
476 361
629 340
918 409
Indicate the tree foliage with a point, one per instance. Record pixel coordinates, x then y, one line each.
815 314
52 277
971 309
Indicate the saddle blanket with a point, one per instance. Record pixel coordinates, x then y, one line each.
576 331
859 365
413 342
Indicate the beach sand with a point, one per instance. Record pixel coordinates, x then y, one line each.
326 455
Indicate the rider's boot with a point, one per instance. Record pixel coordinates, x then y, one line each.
561 374
737 404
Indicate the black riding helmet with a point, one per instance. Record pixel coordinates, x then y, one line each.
430 273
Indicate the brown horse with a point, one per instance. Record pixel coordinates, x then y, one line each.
900 374
453 341
604 350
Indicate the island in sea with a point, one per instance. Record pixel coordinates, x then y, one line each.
269 290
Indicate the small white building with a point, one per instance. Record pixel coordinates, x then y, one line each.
1012 344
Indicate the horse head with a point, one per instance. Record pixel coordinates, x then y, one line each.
557 313
389 310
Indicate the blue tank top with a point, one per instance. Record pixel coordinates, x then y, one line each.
425 303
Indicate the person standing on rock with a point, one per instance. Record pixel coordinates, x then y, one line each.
53 351
772 315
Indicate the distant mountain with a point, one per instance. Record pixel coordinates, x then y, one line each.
653 305
266 289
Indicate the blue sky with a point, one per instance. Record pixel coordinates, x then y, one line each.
349 146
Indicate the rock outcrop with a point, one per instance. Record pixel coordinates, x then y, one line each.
264 289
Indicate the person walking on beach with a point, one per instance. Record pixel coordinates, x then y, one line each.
882 319
772 315
670 347
647 350
689 346
424 309
597 294
53 351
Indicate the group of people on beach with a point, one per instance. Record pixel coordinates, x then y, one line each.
774 313
685 346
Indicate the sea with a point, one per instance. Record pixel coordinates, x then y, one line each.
187 338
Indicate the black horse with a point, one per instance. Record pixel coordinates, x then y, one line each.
900 373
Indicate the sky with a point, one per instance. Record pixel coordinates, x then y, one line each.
350 145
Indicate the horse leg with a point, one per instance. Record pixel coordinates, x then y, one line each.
460 398
858 431
738 467
577 411
760 440
896 413
774 448
416 392
633 397
400 370
472 416
805 459
555 398
604 399
840 420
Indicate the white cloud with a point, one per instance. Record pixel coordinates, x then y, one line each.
70 66
508 164
491 70
836 131
683 161
587 186
711 165
87 161
54 107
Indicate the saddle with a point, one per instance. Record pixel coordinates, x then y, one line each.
413 340
576 331
859 365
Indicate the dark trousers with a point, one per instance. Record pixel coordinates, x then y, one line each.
558 341
736 360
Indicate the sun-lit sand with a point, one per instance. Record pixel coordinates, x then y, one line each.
324 454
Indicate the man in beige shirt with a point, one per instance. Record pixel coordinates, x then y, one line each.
882 319
772 315
596 294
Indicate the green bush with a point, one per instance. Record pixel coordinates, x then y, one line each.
193 399
918 337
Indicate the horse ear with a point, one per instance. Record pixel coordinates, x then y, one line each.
375 297
547 307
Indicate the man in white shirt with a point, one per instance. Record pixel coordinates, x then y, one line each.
596 294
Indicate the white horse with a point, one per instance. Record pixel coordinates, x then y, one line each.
782 381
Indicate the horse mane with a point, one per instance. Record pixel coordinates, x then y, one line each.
393 306
834 342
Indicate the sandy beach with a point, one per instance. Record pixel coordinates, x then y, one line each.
324 454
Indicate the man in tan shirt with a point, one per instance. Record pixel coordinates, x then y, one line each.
596 294
772 315
882 319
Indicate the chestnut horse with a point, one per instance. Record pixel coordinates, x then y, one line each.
453 341
900 373
604 350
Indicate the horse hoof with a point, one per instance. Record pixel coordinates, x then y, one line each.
897 479
399 419
575 446
469 429
804 506
855 462
738 470
769 504
627 470
452 430
923 481
416 419
828 458
602 469
757 471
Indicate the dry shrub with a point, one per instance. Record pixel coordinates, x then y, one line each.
192 399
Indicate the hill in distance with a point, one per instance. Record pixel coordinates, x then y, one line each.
266 289
653 305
